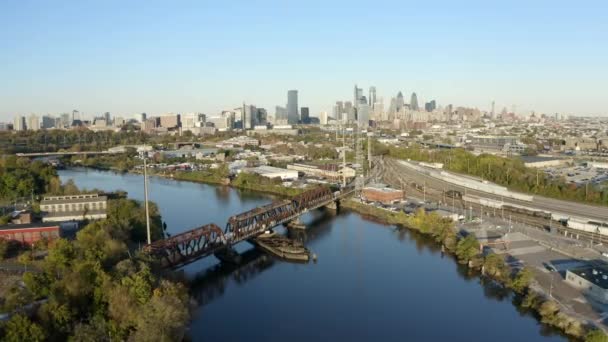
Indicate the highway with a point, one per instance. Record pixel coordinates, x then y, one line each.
572 209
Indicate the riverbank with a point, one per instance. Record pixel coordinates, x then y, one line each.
492 266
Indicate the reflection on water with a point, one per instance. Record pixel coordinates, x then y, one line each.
370 282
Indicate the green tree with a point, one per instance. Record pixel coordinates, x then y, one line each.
596 335
19 329
522 280
496 267
467 248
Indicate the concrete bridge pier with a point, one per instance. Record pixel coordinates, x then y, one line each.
295 224
335 205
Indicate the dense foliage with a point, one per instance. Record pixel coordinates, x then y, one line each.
97 288
20 177
509 172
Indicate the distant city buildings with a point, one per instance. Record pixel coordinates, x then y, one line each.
292 107
305 115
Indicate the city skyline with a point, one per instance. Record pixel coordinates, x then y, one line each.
58 58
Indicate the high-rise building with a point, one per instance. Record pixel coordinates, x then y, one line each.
414 102
363 114
323 118
170 121
47 122
493 114
75 116
108 118
372 97
141 117
292 107
250 114
338 110
349 112
430 106
378 110
261 118
399 103
193 120
358 93
19 123
304 112
33 122
280 114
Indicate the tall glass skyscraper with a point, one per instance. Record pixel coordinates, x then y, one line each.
414 102
292 107
372 96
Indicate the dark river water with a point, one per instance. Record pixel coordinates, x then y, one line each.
370 282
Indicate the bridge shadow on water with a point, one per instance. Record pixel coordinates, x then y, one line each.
212 282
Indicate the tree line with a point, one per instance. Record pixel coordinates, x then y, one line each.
509 172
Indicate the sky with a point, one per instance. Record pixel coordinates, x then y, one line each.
150 56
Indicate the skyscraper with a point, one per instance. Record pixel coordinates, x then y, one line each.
399 103
323 119
358 95
108 118
292 107
430 106
250 116
305 115
280 115
33 122
414 102
372 97
363 114
47 122
338 110
19 123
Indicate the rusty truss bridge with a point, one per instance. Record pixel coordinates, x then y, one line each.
187 247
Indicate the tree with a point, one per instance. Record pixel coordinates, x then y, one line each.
3 249
467 248
596 336
522 280
495 266
19 328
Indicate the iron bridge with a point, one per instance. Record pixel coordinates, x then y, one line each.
192 245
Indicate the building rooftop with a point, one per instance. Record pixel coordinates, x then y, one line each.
29 225
596 275
535 159
72 199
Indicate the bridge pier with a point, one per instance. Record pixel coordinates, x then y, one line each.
229 255
295 224
335 205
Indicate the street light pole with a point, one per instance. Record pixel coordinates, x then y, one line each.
146 200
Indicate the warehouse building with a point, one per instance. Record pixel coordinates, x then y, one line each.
29 233
329 171
593 281
73 208
274 172
382 193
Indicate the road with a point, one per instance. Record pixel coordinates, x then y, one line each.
574 209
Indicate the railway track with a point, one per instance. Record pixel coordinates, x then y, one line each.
399 180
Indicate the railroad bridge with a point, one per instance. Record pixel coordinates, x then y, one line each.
195 244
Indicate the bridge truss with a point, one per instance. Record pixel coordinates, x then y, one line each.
187 247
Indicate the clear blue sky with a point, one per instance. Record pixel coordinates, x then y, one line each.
147 56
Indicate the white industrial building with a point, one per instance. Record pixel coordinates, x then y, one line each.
274 172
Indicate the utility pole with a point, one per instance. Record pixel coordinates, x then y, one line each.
343 157
146 199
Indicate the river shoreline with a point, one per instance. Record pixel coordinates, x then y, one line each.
391 218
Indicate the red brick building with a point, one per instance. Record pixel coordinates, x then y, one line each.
382 194
29 233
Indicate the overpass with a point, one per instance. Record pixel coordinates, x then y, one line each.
56 154
198 243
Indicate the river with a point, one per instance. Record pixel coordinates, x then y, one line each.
370 282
